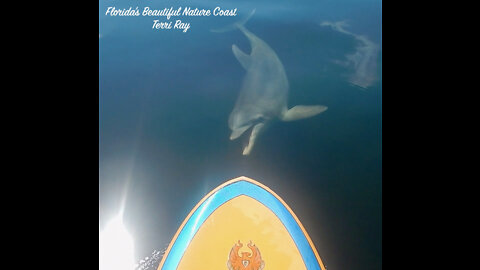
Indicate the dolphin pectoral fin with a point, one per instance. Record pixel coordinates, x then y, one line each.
255 131
302 111
242 57
238 132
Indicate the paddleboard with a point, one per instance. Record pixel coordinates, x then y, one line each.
241 225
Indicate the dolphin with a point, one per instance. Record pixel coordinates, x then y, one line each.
263 95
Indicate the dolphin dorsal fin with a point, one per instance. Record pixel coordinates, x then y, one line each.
243 58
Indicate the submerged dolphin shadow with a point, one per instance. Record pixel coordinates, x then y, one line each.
264 93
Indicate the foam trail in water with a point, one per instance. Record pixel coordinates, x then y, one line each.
363 60
149 263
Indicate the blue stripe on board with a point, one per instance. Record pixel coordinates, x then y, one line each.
225 194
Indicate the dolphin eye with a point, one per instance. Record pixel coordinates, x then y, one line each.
258 119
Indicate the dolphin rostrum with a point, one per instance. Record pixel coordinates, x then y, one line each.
264 93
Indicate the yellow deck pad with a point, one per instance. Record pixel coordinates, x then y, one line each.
241 219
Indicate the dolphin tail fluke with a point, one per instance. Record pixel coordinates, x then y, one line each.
302 111
234 26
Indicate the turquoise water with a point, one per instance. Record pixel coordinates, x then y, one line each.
165 98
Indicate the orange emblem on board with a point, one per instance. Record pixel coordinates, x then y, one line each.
247 261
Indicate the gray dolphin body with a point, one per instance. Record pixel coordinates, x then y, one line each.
264 93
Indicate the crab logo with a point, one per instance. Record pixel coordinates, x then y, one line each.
247 261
